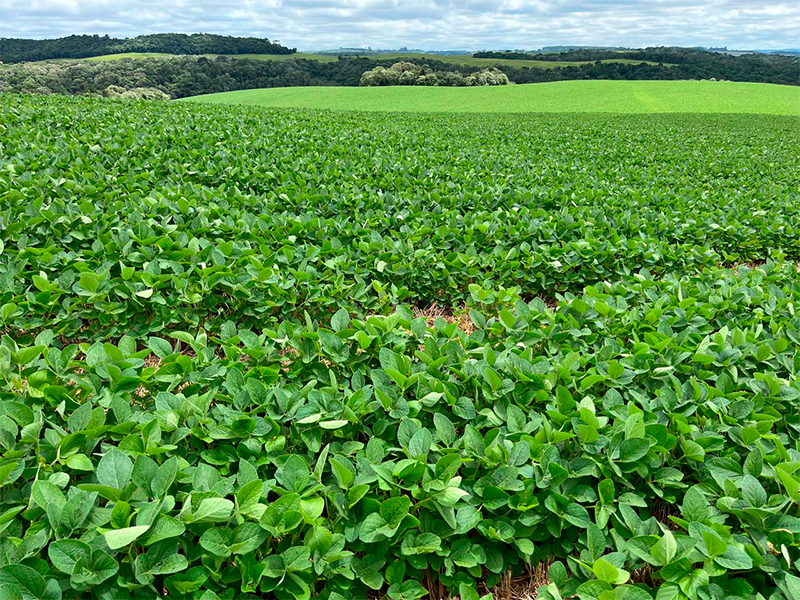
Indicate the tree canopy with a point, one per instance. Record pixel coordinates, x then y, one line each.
85 46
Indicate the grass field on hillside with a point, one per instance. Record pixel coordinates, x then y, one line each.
123 55
558 97
460 59
297 55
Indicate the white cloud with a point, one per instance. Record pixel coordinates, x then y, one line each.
432 24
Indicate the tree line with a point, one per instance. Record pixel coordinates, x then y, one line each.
86 46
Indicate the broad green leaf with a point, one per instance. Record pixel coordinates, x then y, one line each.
344 476
752 491
294 474
633 449
577 515
114 469
212 510
119 538
394 510
420 444
28 583
665 549
160 347
607 572
65 554
734 558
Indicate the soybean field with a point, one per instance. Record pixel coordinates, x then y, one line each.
281 353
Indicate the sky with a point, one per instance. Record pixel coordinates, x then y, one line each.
426 24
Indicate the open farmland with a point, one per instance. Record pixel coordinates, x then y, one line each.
557 97
300 354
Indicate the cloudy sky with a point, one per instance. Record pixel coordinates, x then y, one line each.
429 24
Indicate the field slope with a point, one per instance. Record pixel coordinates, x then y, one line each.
558 97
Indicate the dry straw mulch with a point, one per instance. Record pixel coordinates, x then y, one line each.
434 311
522 587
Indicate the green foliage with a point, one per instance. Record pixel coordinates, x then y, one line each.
231 65
424 450
212 385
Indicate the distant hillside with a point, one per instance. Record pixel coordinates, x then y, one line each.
568 48
687 63
181 76
786 52
85 46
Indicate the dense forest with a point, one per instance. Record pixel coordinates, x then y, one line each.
688 63
85 46
183 76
